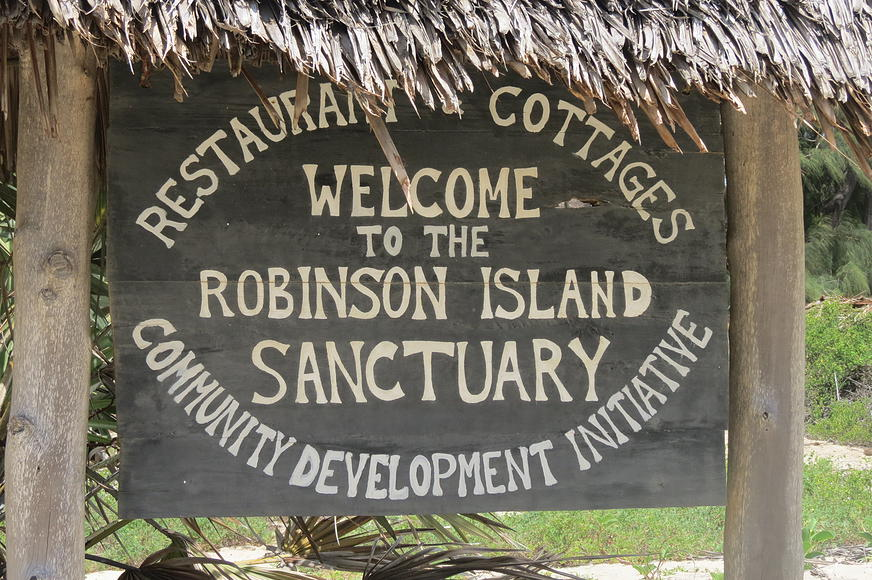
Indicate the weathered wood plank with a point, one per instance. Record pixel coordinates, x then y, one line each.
45 454
584 176
767 349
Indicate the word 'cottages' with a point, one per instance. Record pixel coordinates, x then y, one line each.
541 324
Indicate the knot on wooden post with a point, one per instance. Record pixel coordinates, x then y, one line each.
20 424
59 264
48 294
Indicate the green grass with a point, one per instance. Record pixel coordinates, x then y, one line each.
678 532
838 501
834 500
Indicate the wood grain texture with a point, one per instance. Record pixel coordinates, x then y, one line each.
260 216
45 454
765 247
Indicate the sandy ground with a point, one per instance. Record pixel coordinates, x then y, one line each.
842 456
686 570
702 569
836 568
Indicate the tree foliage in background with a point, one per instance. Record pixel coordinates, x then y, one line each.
838 219
838 263
838 259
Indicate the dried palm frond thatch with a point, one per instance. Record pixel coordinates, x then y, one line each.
815 55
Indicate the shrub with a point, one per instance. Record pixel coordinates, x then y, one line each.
838 354
848 422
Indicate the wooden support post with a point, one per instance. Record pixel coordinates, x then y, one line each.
762 540
45 454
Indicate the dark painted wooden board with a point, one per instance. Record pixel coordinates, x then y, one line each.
261 217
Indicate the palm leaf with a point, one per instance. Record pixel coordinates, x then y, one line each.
434 563
273 574
161 566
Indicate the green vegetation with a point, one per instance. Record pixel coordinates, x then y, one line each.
839 372
834 501
838 220
679 532
837 500
848 422
838 259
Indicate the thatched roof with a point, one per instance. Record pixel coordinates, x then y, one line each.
635 55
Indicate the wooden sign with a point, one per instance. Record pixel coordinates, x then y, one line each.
543 326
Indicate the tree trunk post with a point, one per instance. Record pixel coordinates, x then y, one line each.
762 540
45 454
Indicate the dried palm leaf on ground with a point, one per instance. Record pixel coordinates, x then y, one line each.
436 562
